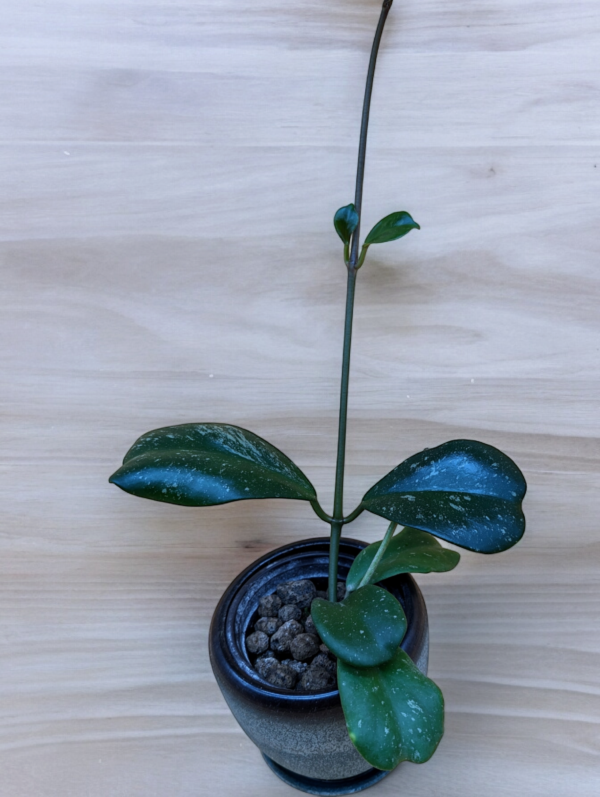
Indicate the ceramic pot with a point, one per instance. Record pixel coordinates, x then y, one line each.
302 737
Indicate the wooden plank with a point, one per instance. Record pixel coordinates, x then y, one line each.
168 175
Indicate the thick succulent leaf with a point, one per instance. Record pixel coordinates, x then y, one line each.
345 221
202 464
463 491
364 629
410 551
393 712
394 226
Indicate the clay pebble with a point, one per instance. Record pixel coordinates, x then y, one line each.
304 646
277 673
300 593
268 625
257 642
268 654
315 680
323 662
309 626
269 605
290 612
282 638
299 667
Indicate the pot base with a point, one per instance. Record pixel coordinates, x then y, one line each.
326 788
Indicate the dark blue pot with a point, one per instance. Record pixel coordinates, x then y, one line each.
302 737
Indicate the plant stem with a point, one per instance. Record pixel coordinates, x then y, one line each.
378 556
353 515
334 552
320 512
338 501
362 146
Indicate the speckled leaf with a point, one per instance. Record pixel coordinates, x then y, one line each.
463 491
364 629
393 712
202 464
345 221
410 551
392 227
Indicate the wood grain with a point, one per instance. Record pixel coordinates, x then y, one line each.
168 175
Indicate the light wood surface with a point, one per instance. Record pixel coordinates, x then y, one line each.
168 176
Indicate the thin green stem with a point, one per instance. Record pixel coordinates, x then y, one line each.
364 127
346 253
366 579
320 512
338 500
363 254
338 496
353 515
334 552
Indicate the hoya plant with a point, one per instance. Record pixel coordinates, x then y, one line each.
463 491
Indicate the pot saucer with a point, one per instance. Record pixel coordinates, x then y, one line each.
326 788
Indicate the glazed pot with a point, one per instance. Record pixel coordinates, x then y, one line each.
302 736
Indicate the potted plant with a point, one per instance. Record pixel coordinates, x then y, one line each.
321 647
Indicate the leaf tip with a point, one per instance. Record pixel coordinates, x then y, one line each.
117 479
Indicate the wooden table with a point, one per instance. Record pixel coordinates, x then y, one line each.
168 180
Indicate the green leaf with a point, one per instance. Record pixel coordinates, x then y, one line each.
463 491
345 221
392 227
202 464
364 629
410 551
393 712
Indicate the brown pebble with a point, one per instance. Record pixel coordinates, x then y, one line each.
281 639
269 605
268 654
290 612
304 646
315 680
277 673
309 626
257 642
299 667
301 593
323 662
268 625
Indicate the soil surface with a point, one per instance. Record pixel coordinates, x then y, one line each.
283 644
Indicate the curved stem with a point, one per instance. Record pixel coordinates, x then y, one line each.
363 254
320 512
362 146
378 556
338 501
353 515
